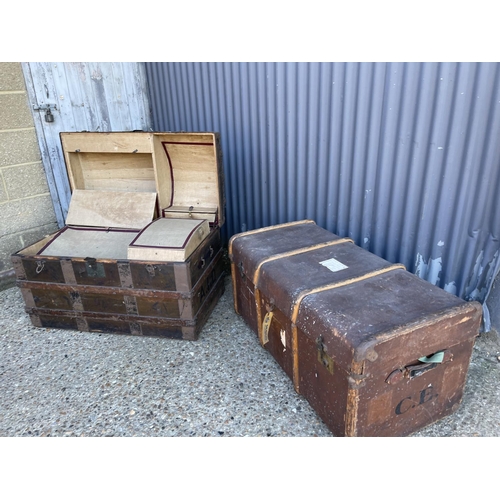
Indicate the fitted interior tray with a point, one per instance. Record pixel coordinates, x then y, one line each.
162 240
170 240
98 243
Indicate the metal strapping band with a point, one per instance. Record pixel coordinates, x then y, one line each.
291 253
324 288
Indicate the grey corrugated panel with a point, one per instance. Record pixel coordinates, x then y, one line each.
402 157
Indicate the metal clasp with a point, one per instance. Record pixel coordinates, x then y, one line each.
49 117
93 268
323 357
241 269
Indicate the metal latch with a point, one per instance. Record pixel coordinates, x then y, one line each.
49 117
241 269
323 357
94 269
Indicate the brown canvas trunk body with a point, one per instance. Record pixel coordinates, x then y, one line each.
374 349
145 296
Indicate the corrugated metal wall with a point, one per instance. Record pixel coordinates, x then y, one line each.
402 157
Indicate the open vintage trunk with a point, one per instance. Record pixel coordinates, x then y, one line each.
141 249
374 349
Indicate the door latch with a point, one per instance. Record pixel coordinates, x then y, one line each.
49 117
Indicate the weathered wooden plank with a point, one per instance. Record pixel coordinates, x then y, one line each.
86 96
113 209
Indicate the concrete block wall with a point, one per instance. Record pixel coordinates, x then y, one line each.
26 210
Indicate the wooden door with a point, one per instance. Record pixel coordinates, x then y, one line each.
82 96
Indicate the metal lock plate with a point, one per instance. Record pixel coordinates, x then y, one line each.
323 357
94 269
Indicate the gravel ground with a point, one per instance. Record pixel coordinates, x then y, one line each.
65 383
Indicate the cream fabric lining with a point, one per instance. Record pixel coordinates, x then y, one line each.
74 242
170 233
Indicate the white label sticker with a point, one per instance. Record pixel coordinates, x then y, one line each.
334 265
283 338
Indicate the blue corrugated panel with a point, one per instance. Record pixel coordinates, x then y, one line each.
402 157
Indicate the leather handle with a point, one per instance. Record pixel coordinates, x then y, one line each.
266 325
425 364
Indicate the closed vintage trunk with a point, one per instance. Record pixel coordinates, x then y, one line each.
375 350
116 267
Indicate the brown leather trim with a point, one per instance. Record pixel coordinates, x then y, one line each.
235 295
171 173
332 286
298 251
263 230
295 356
283 255
133 244
256 294
65 228
189 143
